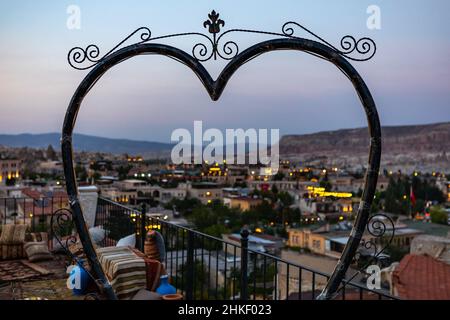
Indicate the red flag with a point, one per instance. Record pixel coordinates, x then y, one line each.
412 197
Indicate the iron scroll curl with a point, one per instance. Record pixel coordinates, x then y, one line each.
230 51
212 48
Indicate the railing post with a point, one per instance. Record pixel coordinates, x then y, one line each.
244 263
190 267
143 231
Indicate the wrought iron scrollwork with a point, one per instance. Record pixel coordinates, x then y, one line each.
212 48
365 47
62 229
381 231
61 226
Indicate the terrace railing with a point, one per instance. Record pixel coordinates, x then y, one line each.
34 212
205 267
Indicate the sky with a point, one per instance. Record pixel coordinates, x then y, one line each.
148 97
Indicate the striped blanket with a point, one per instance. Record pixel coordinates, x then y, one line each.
125 270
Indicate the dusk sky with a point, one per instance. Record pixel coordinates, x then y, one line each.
148 97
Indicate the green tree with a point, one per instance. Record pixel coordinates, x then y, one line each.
438 215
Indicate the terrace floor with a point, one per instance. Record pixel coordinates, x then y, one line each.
46 280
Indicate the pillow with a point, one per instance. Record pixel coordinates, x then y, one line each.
39 236
19 233
37 251
97 234
7 234
128 241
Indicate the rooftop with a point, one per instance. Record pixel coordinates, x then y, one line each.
421 277
429 228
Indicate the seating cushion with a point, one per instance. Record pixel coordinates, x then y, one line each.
124 269
19 234
7 234
97 234
39 236
37 251
11 242
11 251
128 241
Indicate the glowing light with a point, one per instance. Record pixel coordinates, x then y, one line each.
258 230
319 191
341 218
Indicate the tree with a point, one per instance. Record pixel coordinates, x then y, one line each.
278 176
81 173
325 183
10 182
123 171
50 153
438 215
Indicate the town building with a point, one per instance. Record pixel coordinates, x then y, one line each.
9 169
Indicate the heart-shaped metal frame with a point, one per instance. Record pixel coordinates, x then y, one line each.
215 88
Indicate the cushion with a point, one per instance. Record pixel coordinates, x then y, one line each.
13 234
128 241
146 295
37 251
125 270
39 236
7 234
98 234
19 233
11 251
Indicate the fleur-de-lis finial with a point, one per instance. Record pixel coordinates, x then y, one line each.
214 23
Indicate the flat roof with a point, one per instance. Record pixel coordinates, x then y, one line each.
429 228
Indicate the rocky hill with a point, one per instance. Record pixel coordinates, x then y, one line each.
425 147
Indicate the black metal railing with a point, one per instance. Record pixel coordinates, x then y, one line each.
202 267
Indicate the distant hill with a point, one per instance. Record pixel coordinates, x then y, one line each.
415 147
426 146
84 142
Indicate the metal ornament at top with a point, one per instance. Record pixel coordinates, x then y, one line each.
212 47
214 23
